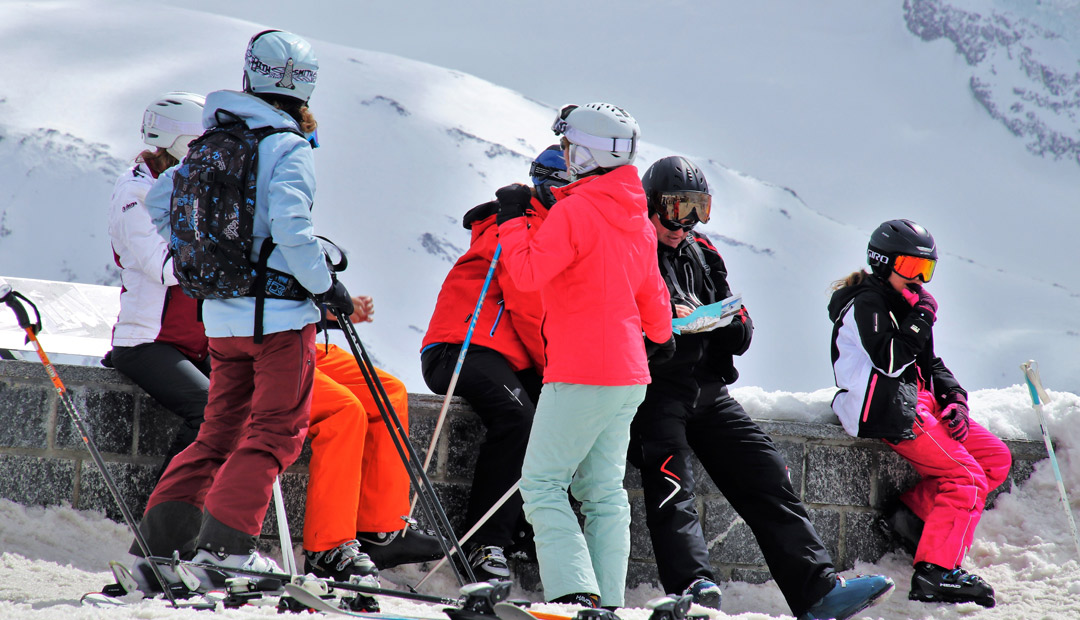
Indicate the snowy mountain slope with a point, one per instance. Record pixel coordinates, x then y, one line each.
407 148
1025 75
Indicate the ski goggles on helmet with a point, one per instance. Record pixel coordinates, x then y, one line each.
573 135
541 173
681 207
912 267
153 123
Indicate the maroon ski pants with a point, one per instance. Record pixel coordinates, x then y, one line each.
255 423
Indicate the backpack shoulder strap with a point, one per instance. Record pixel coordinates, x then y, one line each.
696 247
263 132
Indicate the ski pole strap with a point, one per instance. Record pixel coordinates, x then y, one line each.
15 301
1038 393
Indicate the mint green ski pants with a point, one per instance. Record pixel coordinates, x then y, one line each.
579 438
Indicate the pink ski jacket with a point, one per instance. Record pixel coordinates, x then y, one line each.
594 263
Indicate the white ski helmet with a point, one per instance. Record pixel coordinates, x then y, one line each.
281 63
597 135
173 121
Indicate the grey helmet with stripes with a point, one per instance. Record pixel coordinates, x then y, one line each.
280 63
172 121
596 136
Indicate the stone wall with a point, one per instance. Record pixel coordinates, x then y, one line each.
843 481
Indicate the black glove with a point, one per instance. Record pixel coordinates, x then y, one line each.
922 316
925 304
956 416
659 353
737 334
513 201
337 298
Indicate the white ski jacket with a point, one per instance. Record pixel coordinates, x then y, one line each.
152 306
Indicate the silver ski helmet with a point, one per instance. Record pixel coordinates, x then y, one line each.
172 121
896 238
548 170
596 135
280 63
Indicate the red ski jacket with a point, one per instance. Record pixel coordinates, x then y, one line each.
594 263
510 318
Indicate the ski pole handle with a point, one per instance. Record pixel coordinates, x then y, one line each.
12 299
1034 382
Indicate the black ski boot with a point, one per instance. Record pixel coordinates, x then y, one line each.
934 584
406 546
341 563
903 528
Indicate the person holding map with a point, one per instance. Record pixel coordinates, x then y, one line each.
688 411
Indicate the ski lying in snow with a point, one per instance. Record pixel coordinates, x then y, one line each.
512 611
238 591
314 601
105 599
478 601
117 594
663 608
362 588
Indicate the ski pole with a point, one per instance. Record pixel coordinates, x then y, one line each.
15 301
417 476
1038 397
457 367
288 556
482 520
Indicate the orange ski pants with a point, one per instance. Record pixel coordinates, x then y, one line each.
356 481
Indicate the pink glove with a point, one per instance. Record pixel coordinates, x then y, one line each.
924 302
910 296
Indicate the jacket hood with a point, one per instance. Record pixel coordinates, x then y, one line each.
841 297
482 216
255 112
618 195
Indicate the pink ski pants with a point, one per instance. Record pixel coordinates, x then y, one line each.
955 480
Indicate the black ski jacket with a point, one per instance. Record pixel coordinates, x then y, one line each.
695 275
878 400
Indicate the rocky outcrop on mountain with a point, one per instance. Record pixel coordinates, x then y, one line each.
1026 76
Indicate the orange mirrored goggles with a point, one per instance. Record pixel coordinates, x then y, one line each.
911 267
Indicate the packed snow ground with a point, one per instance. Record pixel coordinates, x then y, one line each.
49 557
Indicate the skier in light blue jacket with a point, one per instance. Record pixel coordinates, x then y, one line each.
211 500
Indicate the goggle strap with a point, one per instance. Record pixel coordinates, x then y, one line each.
169 125
580 138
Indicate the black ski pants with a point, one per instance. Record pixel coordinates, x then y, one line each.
177 382
745 465
506 402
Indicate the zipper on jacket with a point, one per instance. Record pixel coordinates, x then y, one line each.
869 396
498 317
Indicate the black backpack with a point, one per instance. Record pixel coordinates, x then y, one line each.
212 217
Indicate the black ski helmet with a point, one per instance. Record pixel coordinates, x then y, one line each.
672 174
895 238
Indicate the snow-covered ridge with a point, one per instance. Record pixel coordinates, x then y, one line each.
1025 75
408 148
